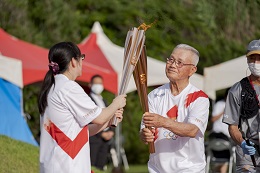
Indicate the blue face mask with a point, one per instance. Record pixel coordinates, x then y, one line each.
254 69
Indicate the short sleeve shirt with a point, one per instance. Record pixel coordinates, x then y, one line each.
232 112
174 153
231 117
64 145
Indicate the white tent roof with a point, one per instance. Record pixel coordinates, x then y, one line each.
11 70
224 75
156 69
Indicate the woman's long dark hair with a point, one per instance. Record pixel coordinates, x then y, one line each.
61 53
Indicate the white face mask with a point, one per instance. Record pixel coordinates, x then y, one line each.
254 68
97 88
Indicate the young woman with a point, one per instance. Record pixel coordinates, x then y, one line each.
66 111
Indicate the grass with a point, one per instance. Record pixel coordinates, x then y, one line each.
137 169
17 156
132 169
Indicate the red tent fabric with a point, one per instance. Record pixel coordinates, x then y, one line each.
34 58
96 58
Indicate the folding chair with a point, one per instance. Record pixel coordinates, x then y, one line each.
217 145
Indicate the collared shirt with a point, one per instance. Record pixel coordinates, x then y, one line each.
64 145
174 153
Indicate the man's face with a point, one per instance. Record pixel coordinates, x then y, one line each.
97 80
180 65
97 85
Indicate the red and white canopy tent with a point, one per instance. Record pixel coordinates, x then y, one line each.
34 58
12 122
108 58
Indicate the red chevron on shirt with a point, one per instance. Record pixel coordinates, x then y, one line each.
72 148
173 112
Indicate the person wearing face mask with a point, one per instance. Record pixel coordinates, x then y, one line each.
242 113
101 142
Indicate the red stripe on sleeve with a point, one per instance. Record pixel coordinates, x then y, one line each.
193 96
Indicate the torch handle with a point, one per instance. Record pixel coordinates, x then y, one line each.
114 122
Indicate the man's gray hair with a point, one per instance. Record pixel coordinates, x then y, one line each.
192 49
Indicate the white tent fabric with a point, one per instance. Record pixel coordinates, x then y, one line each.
224 75
156 69
11 70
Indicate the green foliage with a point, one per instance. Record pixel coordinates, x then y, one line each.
60 21
220 30
130 127
30 96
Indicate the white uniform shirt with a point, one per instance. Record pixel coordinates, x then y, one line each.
218 125
174 153
64 145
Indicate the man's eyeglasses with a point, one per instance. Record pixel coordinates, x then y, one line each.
178 63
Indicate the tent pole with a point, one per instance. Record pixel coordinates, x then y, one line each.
118 145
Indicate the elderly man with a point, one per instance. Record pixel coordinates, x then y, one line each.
242 113
179 115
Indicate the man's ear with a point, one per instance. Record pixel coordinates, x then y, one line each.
193 70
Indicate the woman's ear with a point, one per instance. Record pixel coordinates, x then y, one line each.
73 62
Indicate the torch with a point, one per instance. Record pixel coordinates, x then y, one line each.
140 77
133 47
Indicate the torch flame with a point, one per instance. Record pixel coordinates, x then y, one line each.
145 27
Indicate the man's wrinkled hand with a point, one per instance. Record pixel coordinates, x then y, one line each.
147 135
153 120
